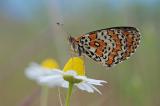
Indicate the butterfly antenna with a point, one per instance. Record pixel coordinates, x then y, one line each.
61 25
84 63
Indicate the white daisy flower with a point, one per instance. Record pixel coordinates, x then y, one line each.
74 73
47 67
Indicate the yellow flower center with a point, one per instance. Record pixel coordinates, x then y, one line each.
49 63
76 64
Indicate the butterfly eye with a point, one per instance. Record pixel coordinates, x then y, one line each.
74 45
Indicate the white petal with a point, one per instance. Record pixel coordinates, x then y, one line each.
34 71
81 77
52 81
88 84
91 81
52 72
70 72
94 88
65 84
84 86
95 82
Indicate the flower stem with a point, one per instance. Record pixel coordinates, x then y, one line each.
59 96
69 93
44 96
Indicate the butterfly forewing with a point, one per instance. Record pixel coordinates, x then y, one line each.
110 46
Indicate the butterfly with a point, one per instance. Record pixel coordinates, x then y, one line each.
108 46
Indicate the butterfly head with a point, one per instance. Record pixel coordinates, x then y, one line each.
74 45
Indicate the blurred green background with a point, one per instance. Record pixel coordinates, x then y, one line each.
28 32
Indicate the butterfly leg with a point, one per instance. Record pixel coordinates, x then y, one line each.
84 58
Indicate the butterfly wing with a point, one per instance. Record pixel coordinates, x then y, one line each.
110 46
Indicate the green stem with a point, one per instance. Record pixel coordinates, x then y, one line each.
44 96
69 93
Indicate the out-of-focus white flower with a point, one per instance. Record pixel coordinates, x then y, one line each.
47 67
